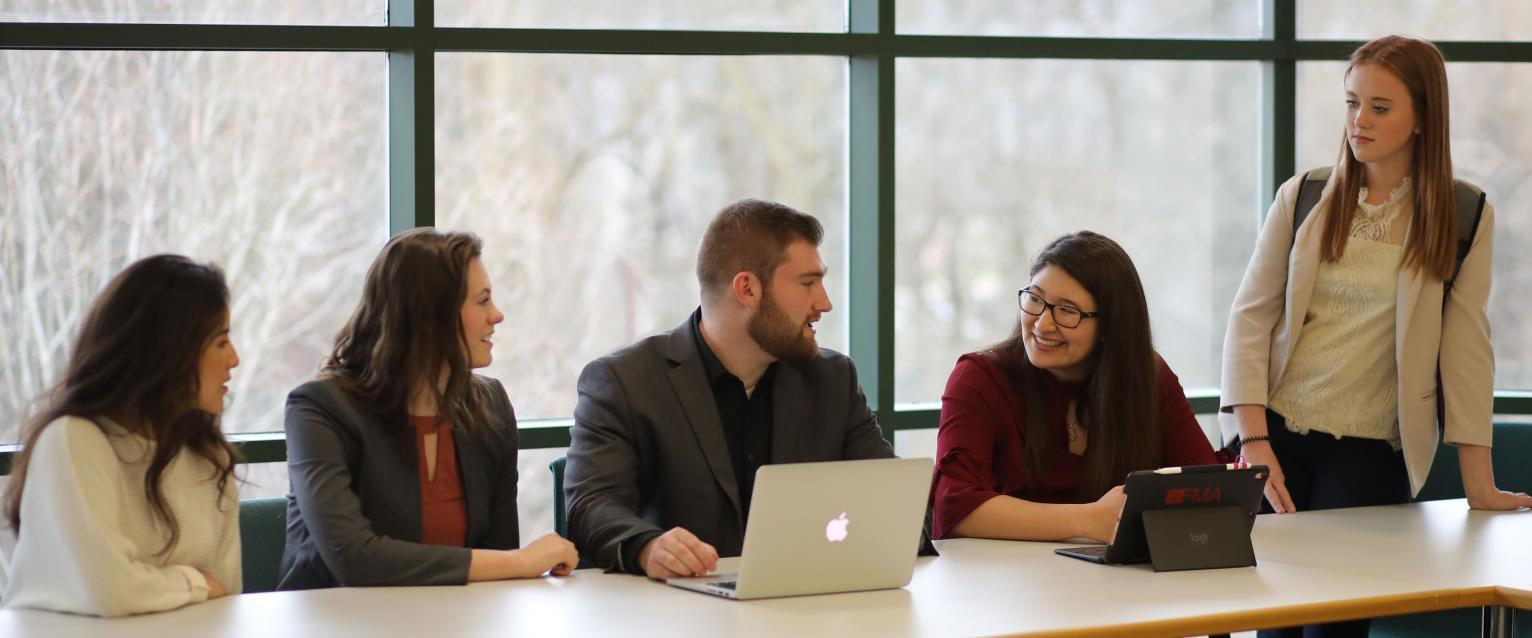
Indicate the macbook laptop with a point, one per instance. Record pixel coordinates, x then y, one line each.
818 528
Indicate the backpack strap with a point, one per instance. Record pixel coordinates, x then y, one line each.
1308 195
1468 198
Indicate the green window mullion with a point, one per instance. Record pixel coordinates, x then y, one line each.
412 119
871 188
1279 108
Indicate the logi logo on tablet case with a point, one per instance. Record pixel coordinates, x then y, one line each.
1182 496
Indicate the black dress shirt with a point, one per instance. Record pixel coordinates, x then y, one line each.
746 417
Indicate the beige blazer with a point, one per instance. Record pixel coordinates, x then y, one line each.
1273 299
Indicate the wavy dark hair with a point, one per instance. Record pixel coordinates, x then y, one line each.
1119 401
407 328
137 359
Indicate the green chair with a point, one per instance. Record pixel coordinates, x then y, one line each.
560 509
560 512
1513 445
263 537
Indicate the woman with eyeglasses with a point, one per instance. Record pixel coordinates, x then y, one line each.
1038 431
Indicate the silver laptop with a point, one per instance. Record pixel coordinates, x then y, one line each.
818 528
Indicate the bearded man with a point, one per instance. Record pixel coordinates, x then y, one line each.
670 430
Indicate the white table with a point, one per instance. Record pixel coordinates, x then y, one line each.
1314 567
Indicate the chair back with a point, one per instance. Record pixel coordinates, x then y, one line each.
560 512
262 539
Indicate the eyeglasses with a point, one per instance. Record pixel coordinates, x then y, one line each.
1065 316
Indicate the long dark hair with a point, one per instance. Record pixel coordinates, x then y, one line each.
407 327
1431 243
1119 401
138 357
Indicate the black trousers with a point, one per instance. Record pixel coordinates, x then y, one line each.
1322 472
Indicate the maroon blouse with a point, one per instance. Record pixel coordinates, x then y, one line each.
443 512
979 448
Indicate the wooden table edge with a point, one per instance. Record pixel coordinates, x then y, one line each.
1329 611
1513 597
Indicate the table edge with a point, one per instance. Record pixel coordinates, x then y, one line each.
1328 611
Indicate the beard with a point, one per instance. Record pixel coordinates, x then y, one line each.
778 334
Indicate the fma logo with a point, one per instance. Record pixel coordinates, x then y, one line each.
1193 495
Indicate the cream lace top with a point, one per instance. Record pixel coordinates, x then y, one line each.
1343 378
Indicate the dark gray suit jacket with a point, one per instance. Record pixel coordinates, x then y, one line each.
647 451
353 513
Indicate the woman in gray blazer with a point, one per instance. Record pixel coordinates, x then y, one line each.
402 461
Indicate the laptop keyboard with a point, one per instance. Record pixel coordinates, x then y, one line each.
727 584
1098 551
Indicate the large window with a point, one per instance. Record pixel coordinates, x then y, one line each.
336 12
720 15
1435 19
269 164
942 146
591 179
1161 156
1141 18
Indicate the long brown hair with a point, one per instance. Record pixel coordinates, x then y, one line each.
137 357
1119 400
407 328
1432 244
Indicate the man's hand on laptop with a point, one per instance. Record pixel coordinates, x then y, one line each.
1101 524
677 554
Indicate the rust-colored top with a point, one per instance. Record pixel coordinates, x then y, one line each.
443 512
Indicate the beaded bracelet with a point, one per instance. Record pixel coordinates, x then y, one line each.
1247 439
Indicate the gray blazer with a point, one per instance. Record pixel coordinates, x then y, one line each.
647 451
353 513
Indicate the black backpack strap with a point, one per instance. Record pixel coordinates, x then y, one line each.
1468 198
1308 195
1470 206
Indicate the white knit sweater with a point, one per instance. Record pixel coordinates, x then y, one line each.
89 542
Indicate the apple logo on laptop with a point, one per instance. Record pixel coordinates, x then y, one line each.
835 531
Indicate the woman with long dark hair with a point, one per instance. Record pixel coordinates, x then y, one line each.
403 462
122 496
1038 431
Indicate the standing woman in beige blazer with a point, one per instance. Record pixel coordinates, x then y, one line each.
1335 338
1334 341
1338 330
